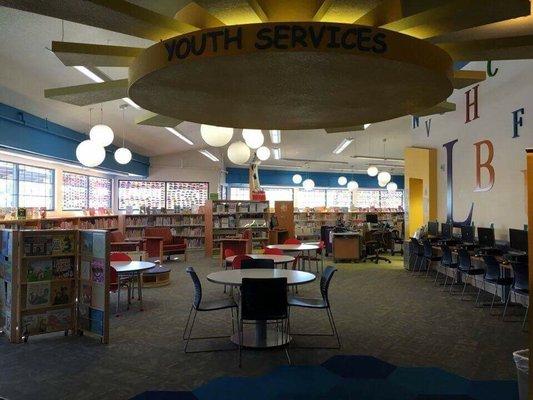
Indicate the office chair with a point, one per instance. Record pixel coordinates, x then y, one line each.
375 247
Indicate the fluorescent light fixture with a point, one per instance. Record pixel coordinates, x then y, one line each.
131 103
275 136
342 145
175 132
277 153
209 155
370 158
366 125
89 74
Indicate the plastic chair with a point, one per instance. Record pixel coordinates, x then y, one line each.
429 255
228 253
277 252
260 263
115 278
447 263
292 241
119 256
520 286
493 274
236 263
200 305
322 303
465 268
319 256
264 300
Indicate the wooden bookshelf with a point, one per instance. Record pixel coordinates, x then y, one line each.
190 226
106 222
230 218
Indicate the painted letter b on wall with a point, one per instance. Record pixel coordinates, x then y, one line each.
487 164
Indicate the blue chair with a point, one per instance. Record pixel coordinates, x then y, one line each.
199 305
322 303
520 286
429 255
419 258
447 263
260 263
466 269
493 275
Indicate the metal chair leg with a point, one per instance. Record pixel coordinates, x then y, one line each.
525 318
437 272
190 332
464 289
493 298
479 293
506 304
333 326
187 324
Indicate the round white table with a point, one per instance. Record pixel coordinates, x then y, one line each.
300 248
261 336
277 258
133 268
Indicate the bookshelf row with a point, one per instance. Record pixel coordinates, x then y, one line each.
108 222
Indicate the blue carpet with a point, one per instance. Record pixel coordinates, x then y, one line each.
347 378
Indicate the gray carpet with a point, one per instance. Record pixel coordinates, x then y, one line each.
380 310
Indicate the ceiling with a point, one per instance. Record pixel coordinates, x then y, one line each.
28 68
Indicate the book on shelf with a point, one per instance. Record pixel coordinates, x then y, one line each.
39 270
61 293
37 294
63 268
34 324
58 320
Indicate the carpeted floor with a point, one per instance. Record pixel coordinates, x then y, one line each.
381 311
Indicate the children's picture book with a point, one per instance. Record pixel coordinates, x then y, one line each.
37 294
62 244
37 245
39 270
85 270
86 293
59 320
97 268
99 245
98 296
97 321
86 239
34 324
61 293
63 268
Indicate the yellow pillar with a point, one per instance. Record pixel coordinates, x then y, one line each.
529 183
420 188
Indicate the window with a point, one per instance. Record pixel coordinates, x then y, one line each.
35 187
309 198
239 193
186 194
367 198
8 184
99 192
75 191
338 198
391 199
274 194
82 191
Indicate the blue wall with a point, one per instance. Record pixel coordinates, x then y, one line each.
267 177
30 134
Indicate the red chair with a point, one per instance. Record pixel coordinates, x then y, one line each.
236 264
277 252
118 242
116 283
292 241
228 253
160 242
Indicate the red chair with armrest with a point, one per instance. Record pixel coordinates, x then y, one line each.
292 241
160 242
118 242
116 282
277 252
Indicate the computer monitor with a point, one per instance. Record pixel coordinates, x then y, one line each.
467 234
518 240
433 228
447 230
485 237
372 218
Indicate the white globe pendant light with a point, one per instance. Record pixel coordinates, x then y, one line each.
352 185
122 155
216 136
372 171
308 184
342 180
263 153
102 135
238 152
384 176
254 138
382 184
90 154
392 186
297 179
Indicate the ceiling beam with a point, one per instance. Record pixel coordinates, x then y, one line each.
345 129
232 12
432 18
293 10
114 15
509 48
254 4
440 108
92 93
463 78
94 55
152 119
195 15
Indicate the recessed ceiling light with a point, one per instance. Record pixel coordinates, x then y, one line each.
275 136
209 155
342 145
89 74
175 132
277 153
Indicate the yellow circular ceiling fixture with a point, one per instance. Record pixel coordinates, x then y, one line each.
290 76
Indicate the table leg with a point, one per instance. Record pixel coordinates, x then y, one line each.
140 286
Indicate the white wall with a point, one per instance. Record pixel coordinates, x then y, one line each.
189 166
504 205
